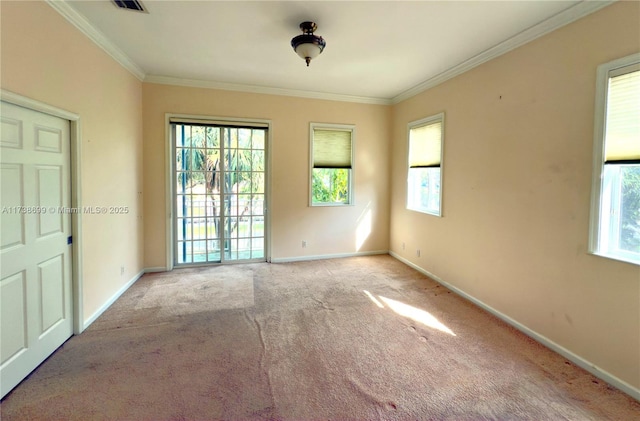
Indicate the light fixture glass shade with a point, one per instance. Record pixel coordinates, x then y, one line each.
308 46
308 50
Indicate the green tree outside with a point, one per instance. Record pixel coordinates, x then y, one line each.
330 185
630 214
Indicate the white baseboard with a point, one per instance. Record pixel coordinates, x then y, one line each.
112 300
133 280
576 359
155 269
326 256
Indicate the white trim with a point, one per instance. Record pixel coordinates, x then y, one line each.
193 83
168 193
576 359
231 122
257 122
598 154
563 18
155 269
76 192
76 225
36 105
617 257
267 192
327 256
98 38
112 300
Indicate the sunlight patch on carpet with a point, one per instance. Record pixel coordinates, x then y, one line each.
372 298
413 313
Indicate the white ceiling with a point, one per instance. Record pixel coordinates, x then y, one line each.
376 51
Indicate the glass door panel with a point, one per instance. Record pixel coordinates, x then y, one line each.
219 194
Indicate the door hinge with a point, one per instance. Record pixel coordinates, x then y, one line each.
70 239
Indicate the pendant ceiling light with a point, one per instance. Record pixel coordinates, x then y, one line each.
308 46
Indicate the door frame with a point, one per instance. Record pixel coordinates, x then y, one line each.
169 169
75 196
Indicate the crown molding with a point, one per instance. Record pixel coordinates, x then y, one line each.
194 83
83 25
563 18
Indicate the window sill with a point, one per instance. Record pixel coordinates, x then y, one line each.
620 258
320 205
426 212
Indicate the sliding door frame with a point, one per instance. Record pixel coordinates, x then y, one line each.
170 169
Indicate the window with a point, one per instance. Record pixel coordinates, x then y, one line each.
615 213
331 164
424 180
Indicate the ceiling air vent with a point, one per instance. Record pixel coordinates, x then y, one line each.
130 5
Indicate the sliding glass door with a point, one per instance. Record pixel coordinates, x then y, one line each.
219 193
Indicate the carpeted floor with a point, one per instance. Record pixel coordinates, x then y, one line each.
363 338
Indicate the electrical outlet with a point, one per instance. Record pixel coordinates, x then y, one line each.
121 270
402 246
304 244
418 252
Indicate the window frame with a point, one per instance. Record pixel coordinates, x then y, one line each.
598 197
350 183
440 117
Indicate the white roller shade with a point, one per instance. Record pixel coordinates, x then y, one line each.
622 130
425 145
331 148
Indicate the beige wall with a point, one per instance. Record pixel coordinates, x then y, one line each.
517 184
327 230
518 151
46 59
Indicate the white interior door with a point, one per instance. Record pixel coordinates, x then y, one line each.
35 274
